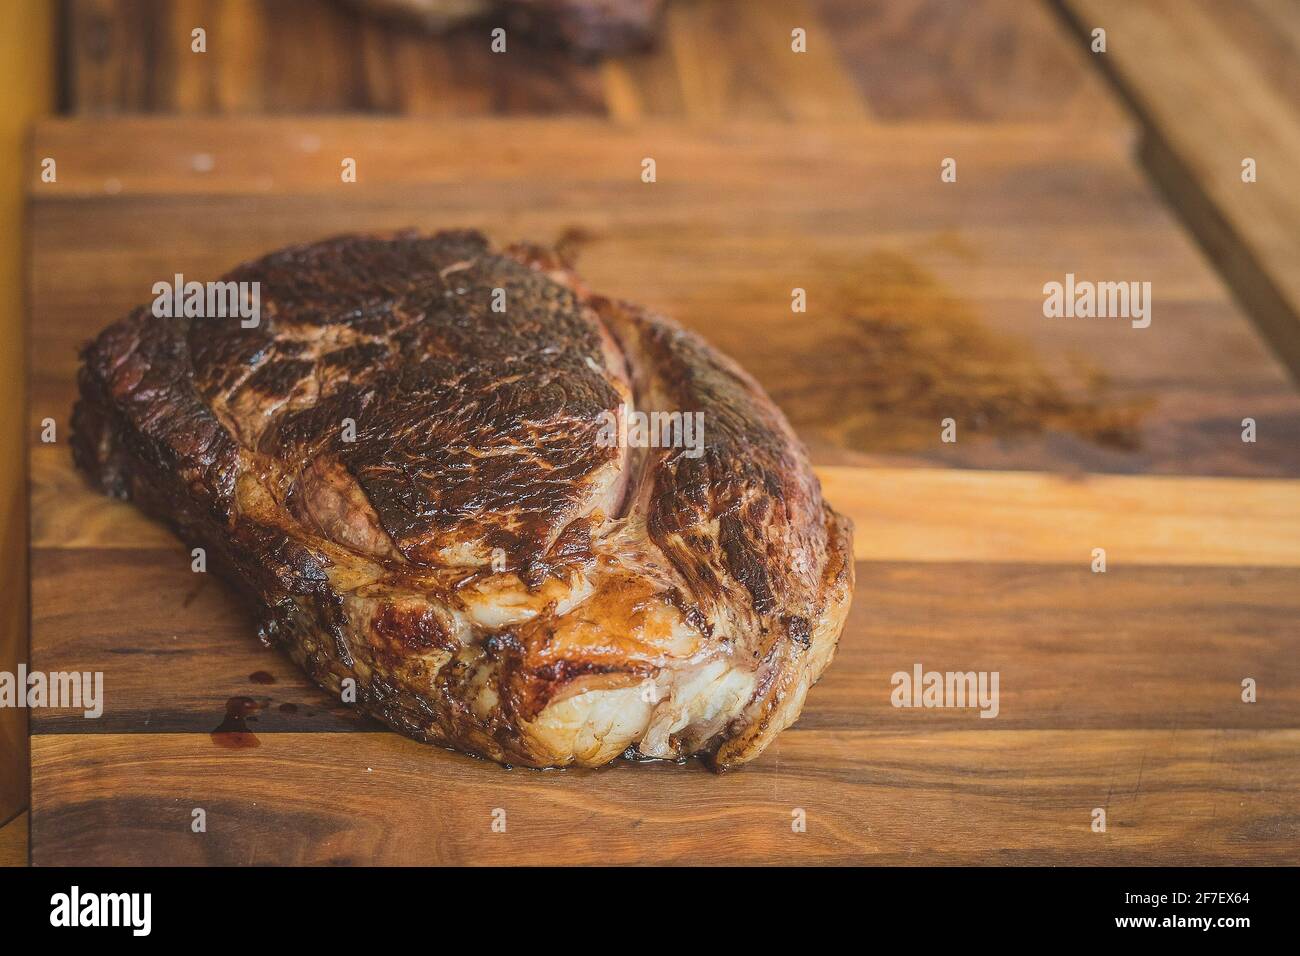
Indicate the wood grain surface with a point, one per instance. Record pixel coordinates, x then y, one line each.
881 797
714 59
1214 84
14 841
727 61
974 61
1119 690
1153 647
902 514
925 298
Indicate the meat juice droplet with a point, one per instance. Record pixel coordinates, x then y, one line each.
261 677
233 733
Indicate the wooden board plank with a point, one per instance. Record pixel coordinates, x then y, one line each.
727 60
892 797
715 60
152 156
902 514
977 60
303 56
1237 63
992 516
1132 648
925 298
13 840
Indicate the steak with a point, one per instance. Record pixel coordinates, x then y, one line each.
428 470
599 27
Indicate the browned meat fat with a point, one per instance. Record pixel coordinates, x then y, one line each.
407 467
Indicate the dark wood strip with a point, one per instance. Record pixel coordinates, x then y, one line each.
304 56
174 648
714 59
894 797
725 60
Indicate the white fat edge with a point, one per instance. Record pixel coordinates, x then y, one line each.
709 694
595 726
503 600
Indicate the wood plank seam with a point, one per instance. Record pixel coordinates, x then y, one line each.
1229 252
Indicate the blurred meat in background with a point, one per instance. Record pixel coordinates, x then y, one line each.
588 26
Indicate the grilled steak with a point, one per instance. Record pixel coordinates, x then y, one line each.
590 26
425 470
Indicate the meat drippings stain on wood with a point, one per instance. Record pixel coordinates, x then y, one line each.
233 733
288 708
193 592
904 353
261 677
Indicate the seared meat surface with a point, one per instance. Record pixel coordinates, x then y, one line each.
589 26
406 467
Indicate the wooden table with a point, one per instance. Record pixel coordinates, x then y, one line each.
1119 690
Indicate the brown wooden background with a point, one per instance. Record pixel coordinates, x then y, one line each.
1119 690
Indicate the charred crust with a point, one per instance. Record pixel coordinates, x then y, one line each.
410 630
796 628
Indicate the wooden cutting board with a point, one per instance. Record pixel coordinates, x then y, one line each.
1119 691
